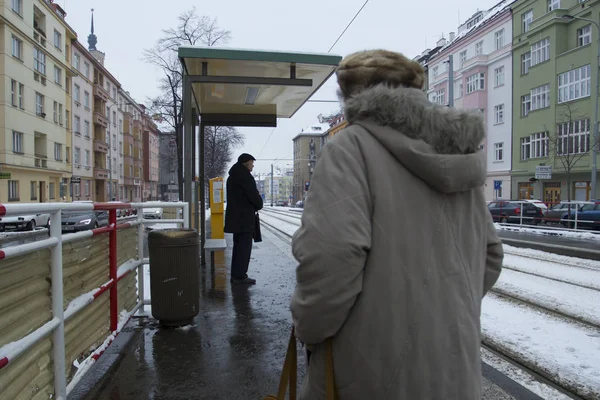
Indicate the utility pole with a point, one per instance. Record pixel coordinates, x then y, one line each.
450 80
271 184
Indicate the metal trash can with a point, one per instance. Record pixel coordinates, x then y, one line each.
174 275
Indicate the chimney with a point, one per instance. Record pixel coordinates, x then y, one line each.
452 36
442 42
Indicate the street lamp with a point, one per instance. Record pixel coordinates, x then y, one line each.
597 93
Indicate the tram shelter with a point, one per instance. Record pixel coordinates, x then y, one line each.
240 88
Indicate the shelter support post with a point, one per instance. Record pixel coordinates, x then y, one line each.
189 141
202 196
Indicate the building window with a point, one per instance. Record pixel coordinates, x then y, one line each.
479 48
499 37
58 75
498 151
499 114
499 76
60 114
584 35
67 154
86 128
39 105
540 51
573 137
13 191
55 112
525 104
18 142
77 127
87 158
574 84
58 151
525 63
76 92
87 188
77 156
475 82
439 96
17 6
540 97
51 191
57 40
39 61
21 95
86 70
86 99
553 4
527 19
17 47
76 61
13 92
463 58
33 190
535 146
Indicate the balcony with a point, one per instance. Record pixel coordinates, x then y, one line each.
101 173
100 92
100 119
480 59
137 181
41 163
100 146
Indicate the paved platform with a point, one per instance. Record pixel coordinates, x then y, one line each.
233 350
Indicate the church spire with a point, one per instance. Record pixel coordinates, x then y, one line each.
92 39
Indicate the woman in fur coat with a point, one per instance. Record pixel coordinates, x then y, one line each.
397 247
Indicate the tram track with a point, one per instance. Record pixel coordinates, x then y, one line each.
531 367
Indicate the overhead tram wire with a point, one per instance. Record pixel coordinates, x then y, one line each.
329 51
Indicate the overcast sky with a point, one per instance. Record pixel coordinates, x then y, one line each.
126 27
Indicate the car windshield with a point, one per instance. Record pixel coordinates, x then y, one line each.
588 207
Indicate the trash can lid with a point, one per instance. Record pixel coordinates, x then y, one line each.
173 233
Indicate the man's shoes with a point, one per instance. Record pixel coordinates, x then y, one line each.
244 281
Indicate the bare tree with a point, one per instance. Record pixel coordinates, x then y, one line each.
571 140
191 30
219 142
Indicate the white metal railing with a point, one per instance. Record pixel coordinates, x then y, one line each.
11 351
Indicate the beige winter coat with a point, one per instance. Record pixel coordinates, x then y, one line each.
396 251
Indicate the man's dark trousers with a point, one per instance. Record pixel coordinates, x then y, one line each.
240 259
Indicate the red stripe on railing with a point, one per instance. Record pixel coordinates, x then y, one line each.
123 226
99 231
110 206
2 210
3 362
2 255
103 289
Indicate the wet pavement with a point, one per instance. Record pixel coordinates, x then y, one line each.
234 349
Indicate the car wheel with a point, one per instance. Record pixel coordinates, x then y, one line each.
95 225
504 219
31 225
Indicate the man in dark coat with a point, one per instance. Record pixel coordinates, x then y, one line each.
243 200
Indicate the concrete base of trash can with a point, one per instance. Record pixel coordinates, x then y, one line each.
174 275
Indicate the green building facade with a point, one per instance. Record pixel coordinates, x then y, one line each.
554 83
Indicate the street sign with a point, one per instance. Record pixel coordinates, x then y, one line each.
5 175
543 172
75 179
497 185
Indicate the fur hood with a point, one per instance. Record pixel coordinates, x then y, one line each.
438 144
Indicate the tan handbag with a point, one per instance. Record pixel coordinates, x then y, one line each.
289 373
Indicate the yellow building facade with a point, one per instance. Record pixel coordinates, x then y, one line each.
35 137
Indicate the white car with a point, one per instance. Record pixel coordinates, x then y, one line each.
25 222
153 213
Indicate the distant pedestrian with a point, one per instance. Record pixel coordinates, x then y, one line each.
396 248
243 201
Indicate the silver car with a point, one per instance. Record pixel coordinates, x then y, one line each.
25 222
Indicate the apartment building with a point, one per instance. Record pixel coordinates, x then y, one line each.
427 54
151 158
83 181
168 178
35 143
133 151
553 62
307 148
482 76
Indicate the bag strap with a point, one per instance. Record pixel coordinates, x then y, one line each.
329 373
289 373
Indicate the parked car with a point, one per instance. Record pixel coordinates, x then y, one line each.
588 216
25 222
77 221
515 212
153 213
555 213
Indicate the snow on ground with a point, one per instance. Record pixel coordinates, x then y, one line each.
564 298
585 276
569 352
288 227
579 234
551 257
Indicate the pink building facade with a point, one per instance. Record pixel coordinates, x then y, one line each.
482 64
